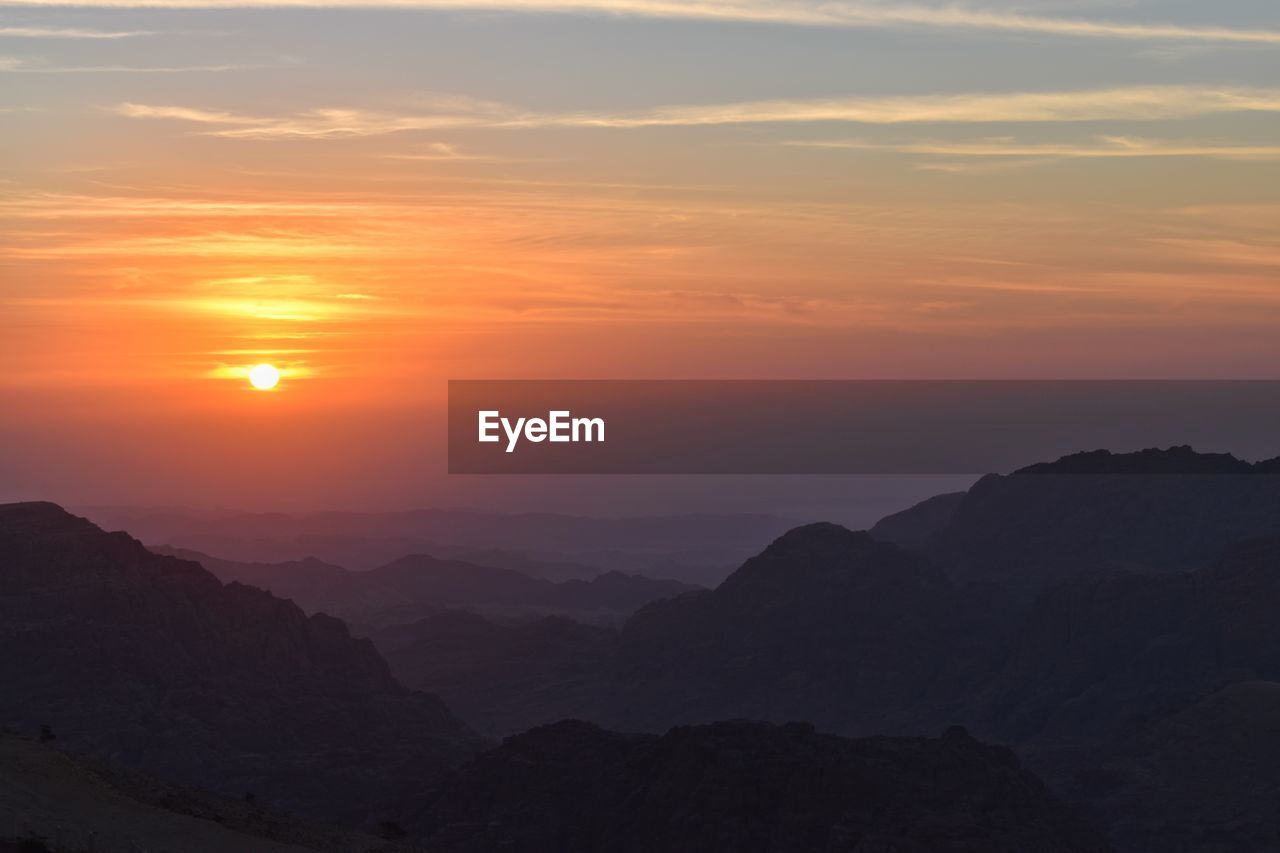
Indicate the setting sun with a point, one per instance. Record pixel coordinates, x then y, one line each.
264 377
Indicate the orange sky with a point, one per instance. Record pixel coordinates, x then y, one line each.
378 201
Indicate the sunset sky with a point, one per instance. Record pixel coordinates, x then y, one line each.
377 199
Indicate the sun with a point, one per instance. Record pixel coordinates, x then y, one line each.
264 377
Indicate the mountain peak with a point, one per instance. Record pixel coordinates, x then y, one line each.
39 513
819 535
826 553
31 507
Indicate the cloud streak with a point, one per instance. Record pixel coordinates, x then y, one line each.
69 33
1100 147
848 14
14 66
1149 103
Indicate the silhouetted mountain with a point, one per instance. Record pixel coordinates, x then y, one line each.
825 625
503 679
1101 653
149 661
914 527
417 585
1166 510
1206 778
747 788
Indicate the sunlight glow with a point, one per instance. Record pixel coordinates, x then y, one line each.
264 377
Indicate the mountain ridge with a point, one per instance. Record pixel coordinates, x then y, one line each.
151 662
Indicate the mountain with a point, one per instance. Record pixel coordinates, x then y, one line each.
1171 510
747 788
150 662
1099 654
825 625
503 678
417 585
914 527
1206 777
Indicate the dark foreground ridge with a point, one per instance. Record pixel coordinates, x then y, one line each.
748 788
150 662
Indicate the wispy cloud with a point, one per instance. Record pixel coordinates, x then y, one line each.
1128 103
313 124
1099 147
23 67
443 152
190 114
813 13
69 33
1147 103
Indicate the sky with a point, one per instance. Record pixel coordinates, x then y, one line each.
377 198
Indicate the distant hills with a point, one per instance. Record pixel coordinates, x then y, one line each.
698 548
418 585
825 625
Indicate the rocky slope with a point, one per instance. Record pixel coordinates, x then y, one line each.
150 662
825 625
1101 653
1010 536
1206 777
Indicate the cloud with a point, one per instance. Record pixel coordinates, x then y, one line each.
1147 103
312 124
439 151
184 114
1099 147
811 13
69 33
443 152
20 67
1129 103
330 123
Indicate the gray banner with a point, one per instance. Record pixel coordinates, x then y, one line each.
841 427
